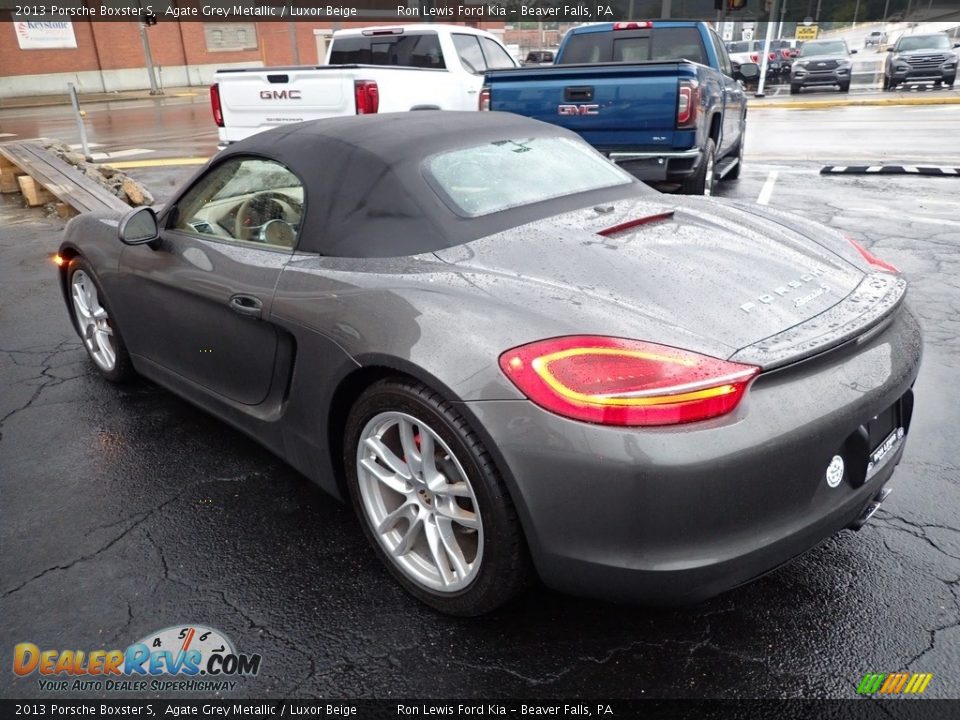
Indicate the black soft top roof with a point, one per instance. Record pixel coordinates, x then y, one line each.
366 195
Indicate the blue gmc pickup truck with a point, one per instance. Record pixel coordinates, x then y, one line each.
661 99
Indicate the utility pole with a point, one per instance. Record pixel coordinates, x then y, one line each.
292 32
145 41
856 11
145 20
766 48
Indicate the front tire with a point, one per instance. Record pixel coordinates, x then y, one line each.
431 501
93 321
845 87
794 88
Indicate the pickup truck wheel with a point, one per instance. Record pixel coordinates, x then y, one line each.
702 181
735 173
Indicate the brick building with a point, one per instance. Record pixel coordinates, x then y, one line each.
108 56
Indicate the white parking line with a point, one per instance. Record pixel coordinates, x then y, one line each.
766 192
120 154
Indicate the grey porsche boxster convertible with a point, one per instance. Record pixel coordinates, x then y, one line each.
513 358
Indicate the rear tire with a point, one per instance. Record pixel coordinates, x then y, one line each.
466 555
735 173
93 321
703 181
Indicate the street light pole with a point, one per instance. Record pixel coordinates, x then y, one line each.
856 11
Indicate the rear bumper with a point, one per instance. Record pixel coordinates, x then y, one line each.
665 516
658 165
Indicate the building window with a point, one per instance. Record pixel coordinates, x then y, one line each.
223 37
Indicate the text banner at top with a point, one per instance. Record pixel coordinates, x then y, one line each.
507 11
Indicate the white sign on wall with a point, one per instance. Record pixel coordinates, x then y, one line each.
45 35
746 34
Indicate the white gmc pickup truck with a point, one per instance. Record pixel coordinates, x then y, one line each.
369 70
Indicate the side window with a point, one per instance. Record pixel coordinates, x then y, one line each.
497 57
244 200
724 59
471 56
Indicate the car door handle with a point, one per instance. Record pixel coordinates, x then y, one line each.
246 305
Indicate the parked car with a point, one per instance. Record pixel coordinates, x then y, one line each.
778 55
369 70
875 37
661 99
539 57
918 58
511 356
821 63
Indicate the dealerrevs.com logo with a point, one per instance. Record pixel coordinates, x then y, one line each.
179 658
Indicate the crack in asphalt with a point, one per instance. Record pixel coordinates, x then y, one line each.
45 370
135 522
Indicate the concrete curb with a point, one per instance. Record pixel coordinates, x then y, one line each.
37 101
873 102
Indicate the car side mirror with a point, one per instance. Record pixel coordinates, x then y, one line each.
139 226
748 71
891 49
853 52
956 45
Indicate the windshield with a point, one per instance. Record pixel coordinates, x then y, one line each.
503 174
924 42
824 48
738 47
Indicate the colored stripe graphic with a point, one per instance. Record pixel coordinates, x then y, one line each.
894 683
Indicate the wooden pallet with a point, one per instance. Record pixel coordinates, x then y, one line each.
65 182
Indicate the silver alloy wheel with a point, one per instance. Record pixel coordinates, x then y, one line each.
710 178
419 502
92 319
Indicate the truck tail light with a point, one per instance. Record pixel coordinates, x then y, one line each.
484 103
772 56
215 104
367 96
612 381
754 57
688 100
644 25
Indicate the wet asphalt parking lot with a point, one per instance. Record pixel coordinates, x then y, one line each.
126 510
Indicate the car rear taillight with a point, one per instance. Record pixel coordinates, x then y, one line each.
754 57
643 25
215 104
871 258
688 100
612 381
367 96
484 103
772 56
